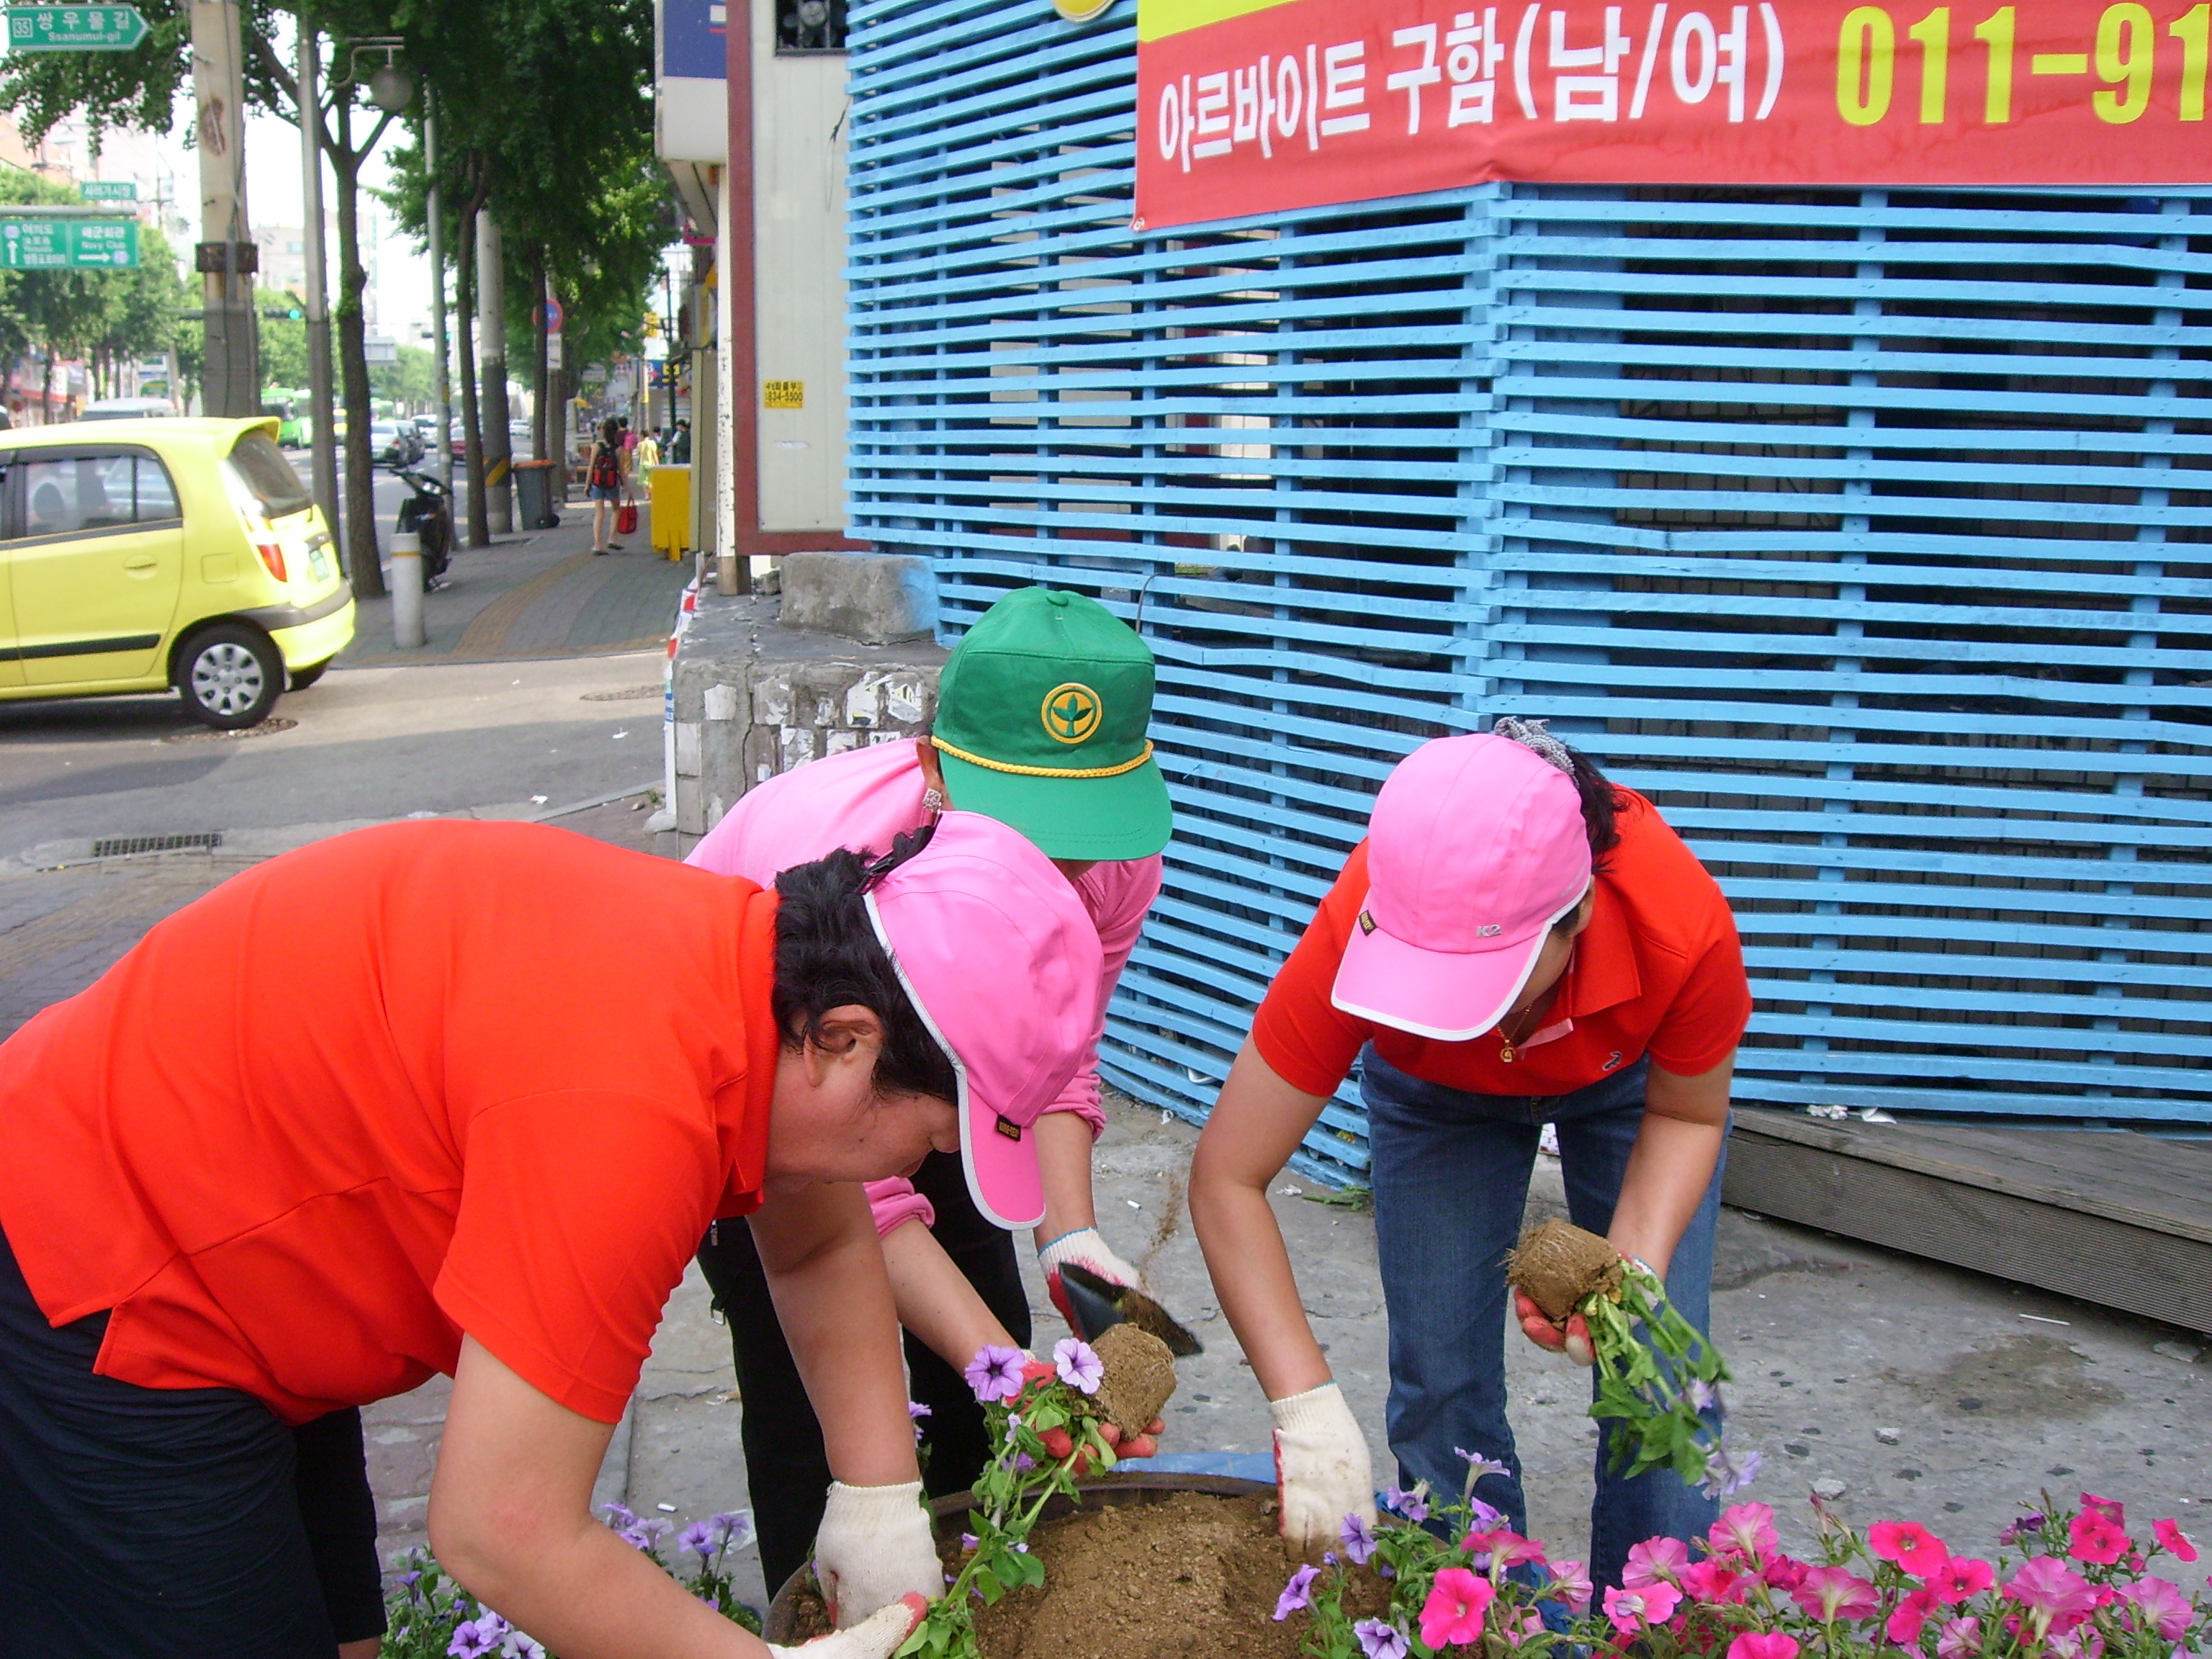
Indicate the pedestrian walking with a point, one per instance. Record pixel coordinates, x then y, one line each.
532 1068
1041 723
1518 941
679 445
605 480
647 455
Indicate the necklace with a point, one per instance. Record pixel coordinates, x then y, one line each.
1509 1039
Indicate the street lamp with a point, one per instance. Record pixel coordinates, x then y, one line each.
391 88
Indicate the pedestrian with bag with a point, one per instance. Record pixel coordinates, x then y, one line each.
1518 941
1041 723
529 1070
605 483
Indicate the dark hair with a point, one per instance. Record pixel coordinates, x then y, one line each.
609 431
827 955
1600 804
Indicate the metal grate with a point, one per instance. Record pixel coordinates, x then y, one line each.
119 847
1867 531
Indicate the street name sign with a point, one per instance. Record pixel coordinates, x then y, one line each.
108 190
75 28
68 244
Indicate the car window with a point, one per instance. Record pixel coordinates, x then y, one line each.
71 495
268 477
157 494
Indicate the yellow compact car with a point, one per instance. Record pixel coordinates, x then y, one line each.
186 553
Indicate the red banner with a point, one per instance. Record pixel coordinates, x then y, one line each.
1249 107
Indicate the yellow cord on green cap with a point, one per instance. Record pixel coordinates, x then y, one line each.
1046 771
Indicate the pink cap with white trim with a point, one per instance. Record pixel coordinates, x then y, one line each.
1476 846
1003 964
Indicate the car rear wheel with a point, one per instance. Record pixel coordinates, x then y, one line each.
230 676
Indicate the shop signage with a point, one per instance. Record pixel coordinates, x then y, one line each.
1248 106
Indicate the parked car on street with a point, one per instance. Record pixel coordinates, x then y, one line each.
183 553
394 444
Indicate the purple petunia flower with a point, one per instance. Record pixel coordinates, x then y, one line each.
736 1527
1725 1476
1485 1519
619 1515
1380 1641
478 1636
1078 1364
915 1411
1297 1594
1478 1465
1704 1396
1414 1506
1358 1540
995 1374
701 1539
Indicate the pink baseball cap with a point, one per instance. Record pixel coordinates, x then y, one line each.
1004 965
1476 846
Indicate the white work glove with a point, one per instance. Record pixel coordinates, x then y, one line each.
1085 1246
1323 1472
877 1637
874 1547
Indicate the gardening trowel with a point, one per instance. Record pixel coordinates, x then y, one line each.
1097 1304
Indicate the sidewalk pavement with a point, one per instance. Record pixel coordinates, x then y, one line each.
536 593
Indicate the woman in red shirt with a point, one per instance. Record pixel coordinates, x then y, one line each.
1517 942
461 1097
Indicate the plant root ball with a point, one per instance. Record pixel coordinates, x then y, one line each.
1558 1265
1139 1377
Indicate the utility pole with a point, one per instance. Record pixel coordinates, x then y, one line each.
437 218
320 392
491 361
227 256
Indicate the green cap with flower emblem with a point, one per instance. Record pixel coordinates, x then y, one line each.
1042 714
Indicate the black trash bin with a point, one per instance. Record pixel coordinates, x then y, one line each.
533 487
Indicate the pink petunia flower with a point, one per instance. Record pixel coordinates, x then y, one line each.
1831 1593
1785 1573
1714 1583
1911 1616
1763 1644
1746 1530
2097 1537
1453 1611
2054 1595
1909 1544
1502 1549
1655 1561
1959 1639
1963 1576
1636 1610
2159 1605
1572 1580
2081 1644
2111 1508
2174 1541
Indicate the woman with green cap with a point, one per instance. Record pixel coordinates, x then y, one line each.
1041 723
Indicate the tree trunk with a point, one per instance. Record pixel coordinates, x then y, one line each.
360 511
465 309
46 388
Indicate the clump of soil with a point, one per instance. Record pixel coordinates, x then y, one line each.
1559 1264
1139 1377
1192 1577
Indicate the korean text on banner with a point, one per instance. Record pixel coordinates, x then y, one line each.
1250 106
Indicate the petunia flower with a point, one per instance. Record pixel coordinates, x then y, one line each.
471 1640
1634 1611
619 1515
1704 1396
995 1373
1713 1583
736 1526
2055 1596
2174 1541
2024 1526
2111 1508
1297 1594
1911 1616
1453 1611
1763 1644
1655 1561
1831 1593
1358 1540
2079 1643
1078 1364
915 1411
1380 1641
2097 1537
701 1539
1745 1530
1785 1573
1572 1580
1910 1545
1484 1517
2161 1605
1959 1639
1962 1578
1727 1474
1414 1506
1478 1466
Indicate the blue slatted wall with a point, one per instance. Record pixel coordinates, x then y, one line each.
1870 532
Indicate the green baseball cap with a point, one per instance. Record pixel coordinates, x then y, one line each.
1041 719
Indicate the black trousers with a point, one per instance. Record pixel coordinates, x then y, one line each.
169 1523
785 1466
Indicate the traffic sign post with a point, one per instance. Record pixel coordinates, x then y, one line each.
55 244
75 28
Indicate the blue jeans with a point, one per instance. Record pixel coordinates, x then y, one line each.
1451 1177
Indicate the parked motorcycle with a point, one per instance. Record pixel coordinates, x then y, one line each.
429 514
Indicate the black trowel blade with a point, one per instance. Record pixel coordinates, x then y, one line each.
1097 1305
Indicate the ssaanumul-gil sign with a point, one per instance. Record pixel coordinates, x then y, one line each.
1251 106
75 28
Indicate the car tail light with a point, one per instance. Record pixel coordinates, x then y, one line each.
272 555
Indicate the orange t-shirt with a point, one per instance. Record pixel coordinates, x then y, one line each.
400 1085
1657 971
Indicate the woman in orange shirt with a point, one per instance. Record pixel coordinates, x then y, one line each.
462 1097
1517 942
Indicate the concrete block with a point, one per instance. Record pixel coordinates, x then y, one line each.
878 599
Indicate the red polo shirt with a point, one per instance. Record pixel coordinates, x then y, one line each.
403 1084
1657 971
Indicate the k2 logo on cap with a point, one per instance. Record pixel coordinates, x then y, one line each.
1008 1127
1489 930
1072 712
1366 923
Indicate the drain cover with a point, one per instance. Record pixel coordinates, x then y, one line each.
123 846
268 728
628 694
